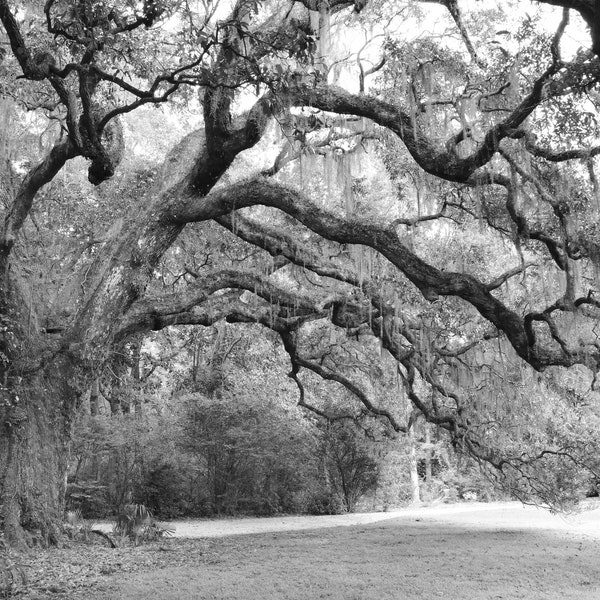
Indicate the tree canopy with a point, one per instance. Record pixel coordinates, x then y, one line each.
391 187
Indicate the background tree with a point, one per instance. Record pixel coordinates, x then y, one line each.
352 469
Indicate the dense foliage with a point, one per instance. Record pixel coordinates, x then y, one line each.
204 444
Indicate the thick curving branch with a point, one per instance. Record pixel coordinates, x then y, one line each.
298 362
589 11
431 281
436 160
35 179
150 313
336 266
201 308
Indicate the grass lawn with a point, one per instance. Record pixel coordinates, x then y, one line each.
398 559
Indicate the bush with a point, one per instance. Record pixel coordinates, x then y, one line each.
353 470
324 502
89 498
165 491
468 483
252 457
136 523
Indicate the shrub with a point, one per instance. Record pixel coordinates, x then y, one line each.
325 502
165 491
89 498
136 523
353 470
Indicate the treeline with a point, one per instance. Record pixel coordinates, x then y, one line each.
236 454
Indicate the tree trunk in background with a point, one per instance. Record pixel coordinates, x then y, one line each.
115 404
136 376
428 454
415 491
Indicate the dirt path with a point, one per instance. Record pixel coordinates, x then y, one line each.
510 516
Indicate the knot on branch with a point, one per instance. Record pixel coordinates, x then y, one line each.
106 153
44 61
351 314
430 294
39 67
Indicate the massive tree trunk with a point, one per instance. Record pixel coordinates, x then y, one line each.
34 454
44 373
44 376
39 397
39 394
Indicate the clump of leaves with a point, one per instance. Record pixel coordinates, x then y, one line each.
12 576
136 523
76 527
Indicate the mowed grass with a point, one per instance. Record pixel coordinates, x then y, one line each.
397 559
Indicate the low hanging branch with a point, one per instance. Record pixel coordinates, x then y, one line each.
329 375
230 305
290 347
431 281
153 313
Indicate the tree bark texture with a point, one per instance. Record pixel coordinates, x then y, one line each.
35 433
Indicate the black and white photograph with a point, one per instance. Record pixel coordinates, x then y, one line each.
299 299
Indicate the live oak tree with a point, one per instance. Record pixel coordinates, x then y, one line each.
475 273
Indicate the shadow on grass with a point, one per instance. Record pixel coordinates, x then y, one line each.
394 560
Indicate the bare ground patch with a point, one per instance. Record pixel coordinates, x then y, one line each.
489 515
